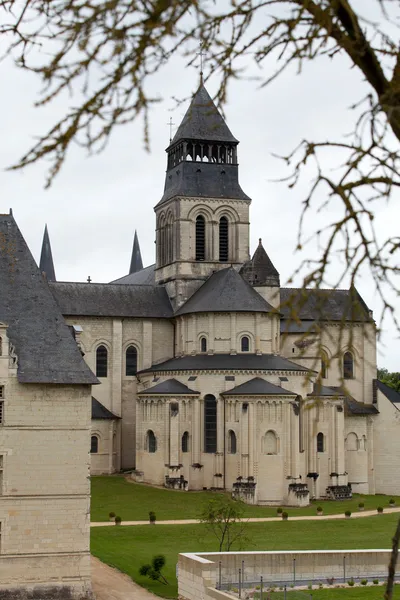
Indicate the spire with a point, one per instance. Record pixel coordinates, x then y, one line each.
46 258
203 121
136 260
259 270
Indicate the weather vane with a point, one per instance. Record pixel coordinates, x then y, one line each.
170 124
202 55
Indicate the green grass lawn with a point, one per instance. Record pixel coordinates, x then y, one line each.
356 593
127 548
133 501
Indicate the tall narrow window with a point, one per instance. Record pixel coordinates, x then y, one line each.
210 424
223 239
151 442
231 442
200 238
101 361
324 365
131 361
94 444
1 474
348 366
320 442
245 344
203 344
185 442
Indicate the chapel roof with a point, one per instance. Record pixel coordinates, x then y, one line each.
112 300
322 390
145 276
46 350
352 406
170 386
99 411
228 362
225 291
323 305
46 264
258 387
203 121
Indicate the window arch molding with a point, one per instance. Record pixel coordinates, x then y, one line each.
131 359
270 443
232 442
94 443
325 362
200 343
228 212
245 334
185 442
102 360
352 442
150 443
348 364
138 347
320 442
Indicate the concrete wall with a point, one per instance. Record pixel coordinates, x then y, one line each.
386 447
198 574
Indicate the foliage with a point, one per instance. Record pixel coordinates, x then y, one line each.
152 517
348 513
364 581
380 509
375 581
392 501
351 582
285 516
361 505
154 570
105 52
224 518
118 520
390 379
111 515
279 510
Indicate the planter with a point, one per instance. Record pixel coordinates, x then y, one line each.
347 516
117 523
360 508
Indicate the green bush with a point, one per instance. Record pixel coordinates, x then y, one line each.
375 581
361 505
152 516
364 581
380 510
154 570
285 516
279 510
111 515
348 513
392 501
319 508
351 582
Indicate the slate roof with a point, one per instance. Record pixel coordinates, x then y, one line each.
321 390
225 291
323 305
203 121
352 406
46 350
205 180
99 411
258 387
144 277
227 362
260 270
136 259
389 392
111 300
46 264
171 386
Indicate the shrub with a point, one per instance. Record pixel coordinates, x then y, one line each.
279 510
309 586
361 505
320 586
351 582
364 581
152 516
392 501
111 515
285 516
330 580
154 570
375 581
118 520
258 587
347 513
380 510
319 508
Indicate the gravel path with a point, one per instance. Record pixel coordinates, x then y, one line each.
111 584
354 515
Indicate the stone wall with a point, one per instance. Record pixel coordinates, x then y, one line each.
386 447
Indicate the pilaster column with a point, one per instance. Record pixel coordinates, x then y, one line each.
174 445
116 373
244 446
196 430
258 333
233 332
252 421
211 332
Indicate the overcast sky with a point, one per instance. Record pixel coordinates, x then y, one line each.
96 203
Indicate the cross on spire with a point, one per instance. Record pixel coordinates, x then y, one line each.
202 55
170 129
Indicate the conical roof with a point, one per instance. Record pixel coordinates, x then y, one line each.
136 259
46 258
225 291
260 270
203 121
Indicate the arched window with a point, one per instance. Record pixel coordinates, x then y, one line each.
352 442
245 344
185 442
324 365
200 238
270 443
94 444
231 442
348 366
151 442
320 442
101 361
203 344
131 361
223 239
210 424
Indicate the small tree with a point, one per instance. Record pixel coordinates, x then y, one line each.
224 518
154 570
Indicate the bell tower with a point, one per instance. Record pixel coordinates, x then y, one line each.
202 220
